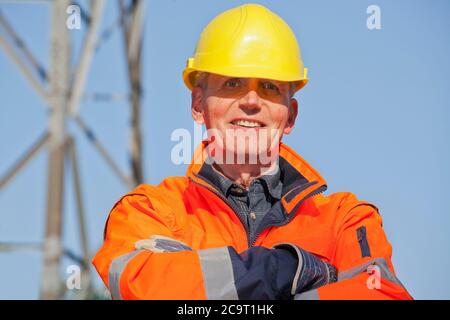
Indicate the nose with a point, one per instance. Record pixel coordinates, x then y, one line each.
251 101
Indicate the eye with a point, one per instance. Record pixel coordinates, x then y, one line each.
232 83
270 86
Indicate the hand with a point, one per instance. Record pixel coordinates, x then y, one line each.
311 272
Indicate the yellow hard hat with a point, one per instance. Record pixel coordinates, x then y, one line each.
248 41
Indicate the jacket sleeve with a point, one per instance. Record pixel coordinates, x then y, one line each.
132 266
362 257
132 273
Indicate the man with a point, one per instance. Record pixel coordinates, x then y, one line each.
249 220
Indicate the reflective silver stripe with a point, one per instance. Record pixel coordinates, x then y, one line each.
299 269
299 265
380 262
308 295
218 274
115 271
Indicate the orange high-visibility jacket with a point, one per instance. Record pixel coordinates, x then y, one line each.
339 229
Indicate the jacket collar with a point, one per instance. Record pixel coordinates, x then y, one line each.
272 182
299 178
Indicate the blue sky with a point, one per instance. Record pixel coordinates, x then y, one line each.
374 120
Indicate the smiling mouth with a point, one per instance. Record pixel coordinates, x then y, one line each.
247 123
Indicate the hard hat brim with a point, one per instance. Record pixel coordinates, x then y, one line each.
190 75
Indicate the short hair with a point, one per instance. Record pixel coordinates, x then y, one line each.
201 79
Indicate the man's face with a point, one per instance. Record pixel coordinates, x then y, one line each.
245 115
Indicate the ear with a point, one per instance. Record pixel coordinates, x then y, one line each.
293 112
197 105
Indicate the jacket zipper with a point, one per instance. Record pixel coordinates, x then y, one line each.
363 243
251 242
225 200
312 194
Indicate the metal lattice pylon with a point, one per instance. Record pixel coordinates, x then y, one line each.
61 89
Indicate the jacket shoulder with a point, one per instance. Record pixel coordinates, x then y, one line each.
340 207
168 192
161 202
